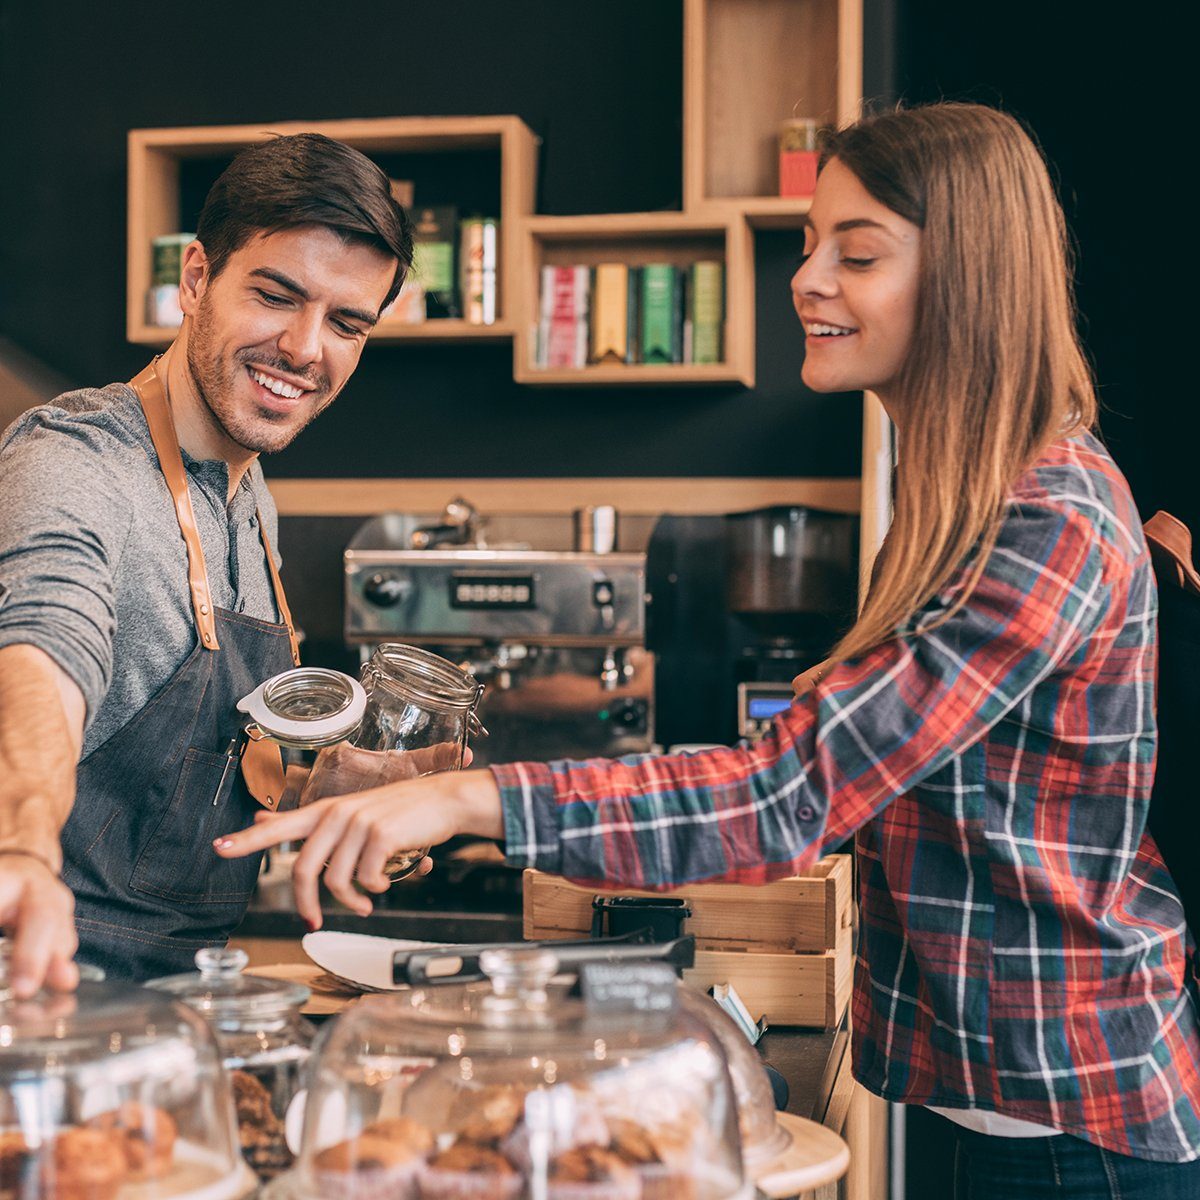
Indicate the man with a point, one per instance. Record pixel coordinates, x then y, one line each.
124 646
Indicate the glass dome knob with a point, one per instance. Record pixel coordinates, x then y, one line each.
216 962
519 977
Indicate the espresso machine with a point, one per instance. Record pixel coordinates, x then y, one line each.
544 610
741 604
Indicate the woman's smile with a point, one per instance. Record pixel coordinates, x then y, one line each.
855 291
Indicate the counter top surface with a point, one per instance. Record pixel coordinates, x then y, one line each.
425 925
810 1060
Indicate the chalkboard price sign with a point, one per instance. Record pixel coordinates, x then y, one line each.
636 987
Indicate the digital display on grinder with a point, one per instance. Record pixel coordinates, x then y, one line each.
490 592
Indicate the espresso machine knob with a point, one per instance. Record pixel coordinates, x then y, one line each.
386 588
630 715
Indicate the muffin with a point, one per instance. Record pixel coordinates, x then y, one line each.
18 1166
84 1164
404 1131
146 1136
660 1156
468 1170
568 1118
380 1164
488 1115
592 1173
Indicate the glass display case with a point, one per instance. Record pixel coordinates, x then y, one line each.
113 1092
517 1087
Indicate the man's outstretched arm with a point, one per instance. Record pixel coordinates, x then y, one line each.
42 714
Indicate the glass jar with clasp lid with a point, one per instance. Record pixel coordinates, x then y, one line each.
412 714
264 1044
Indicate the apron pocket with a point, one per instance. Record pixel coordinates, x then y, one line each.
178 862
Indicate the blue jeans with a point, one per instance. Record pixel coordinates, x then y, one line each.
1062 1168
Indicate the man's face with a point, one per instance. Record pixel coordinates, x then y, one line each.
278 332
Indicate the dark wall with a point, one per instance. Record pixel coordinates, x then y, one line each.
601 85
1057 67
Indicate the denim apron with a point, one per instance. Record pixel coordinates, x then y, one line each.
137 848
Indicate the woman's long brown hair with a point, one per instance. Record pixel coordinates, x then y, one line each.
995 372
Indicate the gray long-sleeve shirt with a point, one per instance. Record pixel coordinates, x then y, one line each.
92 555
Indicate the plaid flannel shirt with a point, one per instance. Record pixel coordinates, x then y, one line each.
1022 947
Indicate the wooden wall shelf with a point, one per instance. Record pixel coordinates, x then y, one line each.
748 65
767 212
157 155
637 239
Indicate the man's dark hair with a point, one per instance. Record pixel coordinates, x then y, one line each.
304 179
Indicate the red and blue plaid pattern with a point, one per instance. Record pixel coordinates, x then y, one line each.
1022 946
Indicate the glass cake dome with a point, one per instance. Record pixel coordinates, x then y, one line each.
264 1044
113 1092
519 1087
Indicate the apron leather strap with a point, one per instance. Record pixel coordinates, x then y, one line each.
262 762
280 599
153 397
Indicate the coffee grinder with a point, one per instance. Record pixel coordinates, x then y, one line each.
740 605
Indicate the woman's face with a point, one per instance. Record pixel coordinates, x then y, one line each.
856 289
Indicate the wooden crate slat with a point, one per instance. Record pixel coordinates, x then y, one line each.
800 914
788 989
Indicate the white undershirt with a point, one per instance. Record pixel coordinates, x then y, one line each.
994 1124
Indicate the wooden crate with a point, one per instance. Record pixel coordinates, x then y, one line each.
785 946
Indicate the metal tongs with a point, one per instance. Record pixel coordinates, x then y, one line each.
460 964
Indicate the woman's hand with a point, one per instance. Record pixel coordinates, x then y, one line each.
357 834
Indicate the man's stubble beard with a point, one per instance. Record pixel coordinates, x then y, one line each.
214 385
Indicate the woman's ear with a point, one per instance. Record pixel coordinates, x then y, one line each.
193 278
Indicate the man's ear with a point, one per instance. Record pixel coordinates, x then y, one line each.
193 278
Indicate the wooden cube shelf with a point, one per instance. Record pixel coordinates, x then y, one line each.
157 157
638 239
748 66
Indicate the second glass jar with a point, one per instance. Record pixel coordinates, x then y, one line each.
412 715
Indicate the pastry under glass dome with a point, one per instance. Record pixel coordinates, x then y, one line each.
514 1087
264 1044
112 1092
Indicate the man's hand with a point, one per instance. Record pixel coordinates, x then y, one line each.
351 838
41 728
40 913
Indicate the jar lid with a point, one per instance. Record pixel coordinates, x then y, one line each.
219 990
763 1138
307 706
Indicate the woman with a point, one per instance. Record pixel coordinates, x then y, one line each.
986 727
